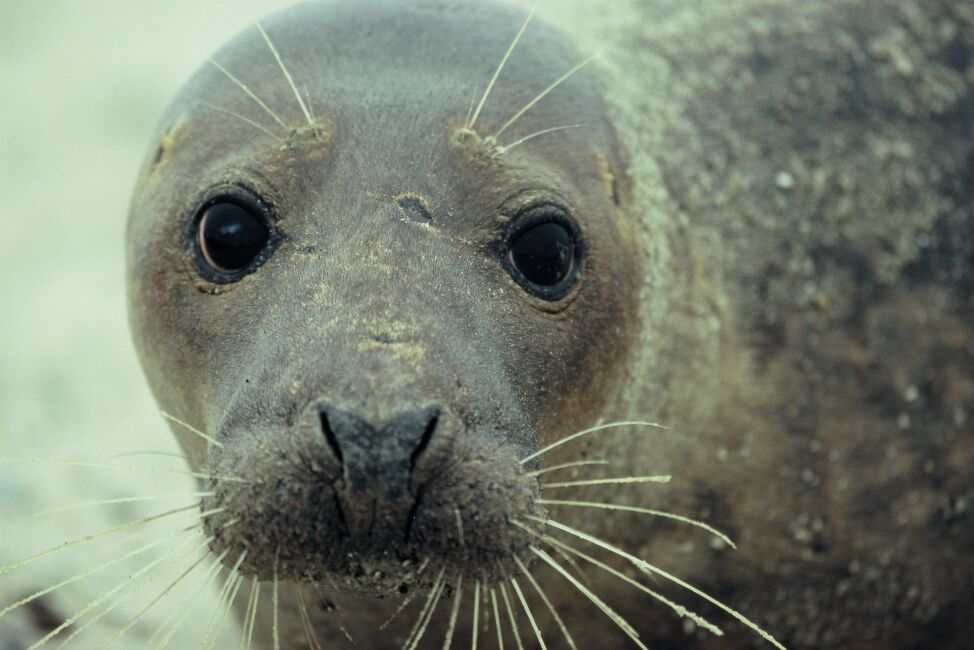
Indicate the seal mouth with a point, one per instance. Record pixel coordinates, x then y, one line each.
378 523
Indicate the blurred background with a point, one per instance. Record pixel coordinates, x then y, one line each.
82 85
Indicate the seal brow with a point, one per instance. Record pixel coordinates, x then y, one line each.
473 119
290 80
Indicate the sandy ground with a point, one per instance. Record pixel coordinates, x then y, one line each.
82 86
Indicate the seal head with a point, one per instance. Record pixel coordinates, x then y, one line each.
378 278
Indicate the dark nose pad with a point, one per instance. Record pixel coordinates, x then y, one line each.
378 458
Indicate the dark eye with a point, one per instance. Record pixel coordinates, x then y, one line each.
542 254
230 237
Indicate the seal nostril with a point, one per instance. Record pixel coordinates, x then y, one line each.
330 436
424 442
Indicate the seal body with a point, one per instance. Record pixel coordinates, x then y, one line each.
762 214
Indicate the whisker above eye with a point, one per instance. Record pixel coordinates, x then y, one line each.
287 75
501 150
490 85
245 119
542 95
251 94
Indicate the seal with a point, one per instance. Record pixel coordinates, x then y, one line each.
401 299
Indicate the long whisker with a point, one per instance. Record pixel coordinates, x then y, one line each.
431 604
429 615
542 94
645 511
229 606
105 533
276 624
251 94
85 574
608 611
309 632
131 468
456 511
290 80
576 463
611 481
500 66
573 564
183 612
95 603
405 603
454 614
118 601
676 607
497 619
223 599
527 610
242 118
547 602
107 502
129 454
648 568
173 418
476 615
501 150
337 609
165 592
247 641
511 617
590 430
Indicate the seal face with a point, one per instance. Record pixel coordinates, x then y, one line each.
378 279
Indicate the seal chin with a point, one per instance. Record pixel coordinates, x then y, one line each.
313 514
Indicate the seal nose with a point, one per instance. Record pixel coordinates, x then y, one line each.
373 456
